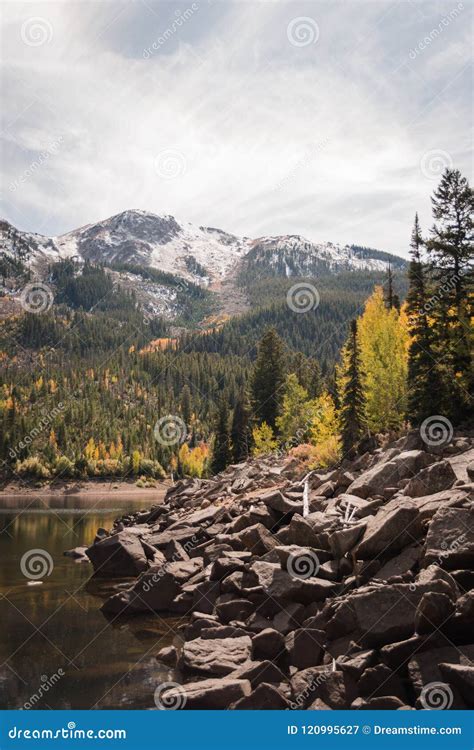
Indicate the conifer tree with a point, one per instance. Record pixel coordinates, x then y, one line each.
392 300
451 251
221 456
186 405
352 398
268 378
240 430
424 378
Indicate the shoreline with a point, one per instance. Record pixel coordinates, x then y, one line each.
86 488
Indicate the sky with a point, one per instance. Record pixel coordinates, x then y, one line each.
332 120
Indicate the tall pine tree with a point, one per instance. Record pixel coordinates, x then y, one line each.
451 251
424 378
268 378
221 456
352 414
240 431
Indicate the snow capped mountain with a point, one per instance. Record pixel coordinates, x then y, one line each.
204 255
293 255
142 238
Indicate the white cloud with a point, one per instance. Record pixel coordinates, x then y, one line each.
242 107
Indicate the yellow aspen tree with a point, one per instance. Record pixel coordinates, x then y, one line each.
383 339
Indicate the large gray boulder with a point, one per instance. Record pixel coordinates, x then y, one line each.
209 694
395 525
280 585
435 478
217 656
119 555
388 473
155 590
450 539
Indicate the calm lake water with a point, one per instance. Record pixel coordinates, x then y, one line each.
57 625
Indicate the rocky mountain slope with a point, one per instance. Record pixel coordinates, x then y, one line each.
198 254
346 589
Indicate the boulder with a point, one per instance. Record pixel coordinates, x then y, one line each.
305 647
268 644
435 478
377 615
402 563
168 655
375 480
461 677
257 539
277 501
234 609
217 656
424 669
393 527
260 671
154 590
450 539
289 618
119 555
428 505
209 694
306 685
278 584
265 696
433 611
78 554
380 681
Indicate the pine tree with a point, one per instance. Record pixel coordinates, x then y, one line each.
221 456
424 377
268 378
451 251
392 300
186 405
240 430
352 413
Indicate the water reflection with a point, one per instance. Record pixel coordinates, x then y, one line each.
58 625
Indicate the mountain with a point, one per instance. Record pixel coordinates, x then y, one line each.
178 270
201 255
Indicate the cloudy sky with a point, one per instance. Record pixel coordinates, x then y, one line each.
328 119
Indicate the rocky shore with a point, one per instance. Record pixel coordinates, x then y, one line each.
346 589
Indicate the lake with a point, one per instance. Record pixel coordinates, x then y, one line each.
57 650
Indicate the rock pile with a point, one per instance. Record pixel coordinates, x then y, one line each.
346 589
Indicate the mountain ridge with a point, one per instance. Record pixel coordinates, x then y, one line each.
200 254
